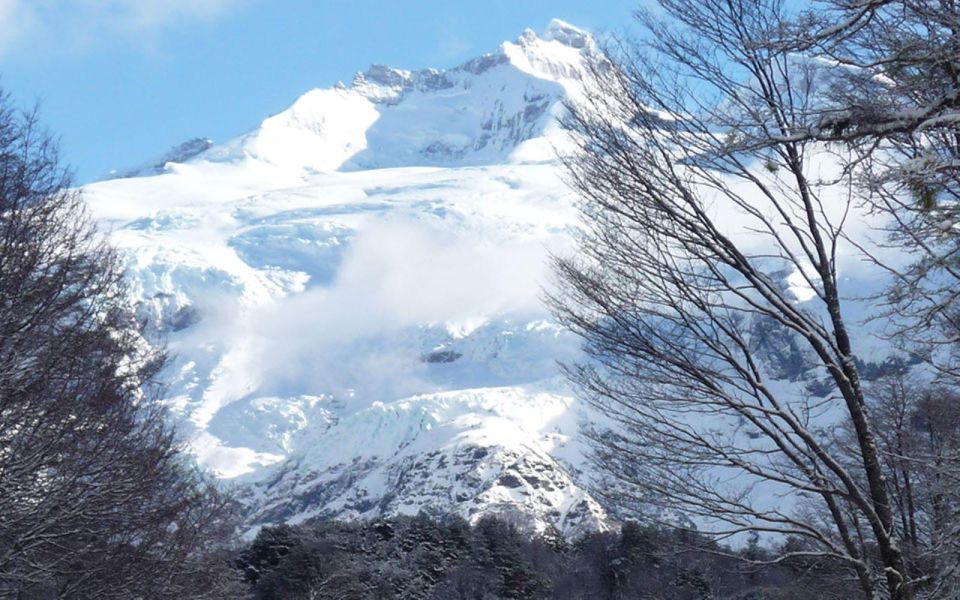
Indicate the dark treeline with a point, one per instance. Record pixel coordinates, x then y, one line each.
448 559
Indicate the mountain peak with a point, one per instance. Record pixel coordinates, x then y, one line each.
384 84
448 400
560 32
566 34
479 112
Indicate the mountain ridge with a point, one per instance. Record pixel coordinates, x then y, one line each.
326 128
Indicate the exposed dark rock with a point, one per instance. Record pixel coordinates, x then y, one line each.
441 356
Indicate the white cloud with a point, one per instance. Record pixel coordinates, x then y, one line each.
28 25
398 275
146 14
17 18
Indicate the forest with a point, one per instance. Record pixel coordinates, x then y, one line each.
448 559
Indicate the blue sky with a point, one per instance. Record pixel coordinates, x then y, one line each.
120 81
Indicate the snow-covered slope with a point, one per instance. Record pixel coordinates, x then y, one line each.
352 294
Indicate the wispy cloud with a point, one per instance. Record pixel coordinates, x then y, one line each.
17 18
25 24
140 14
363 333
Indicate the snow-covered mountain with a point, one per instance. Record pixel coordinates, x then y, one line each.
352 293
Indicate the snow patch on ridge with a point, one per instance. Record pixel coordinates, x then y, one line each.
567 34
471 452
322 130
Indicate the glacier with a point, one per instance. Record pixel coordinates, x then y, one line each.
352 294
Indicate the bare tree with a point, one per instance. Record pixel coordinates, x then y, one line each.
709 256
96 499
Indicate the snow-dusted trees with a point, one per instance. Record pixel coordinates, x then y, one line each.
709 283
895 104
421 558
96 501
918 435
